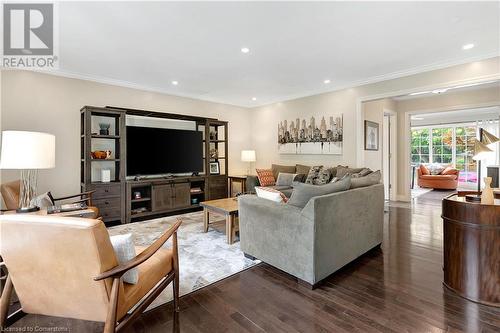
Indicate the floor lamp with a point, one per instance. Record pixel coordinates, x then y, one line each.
248 156
28 152
481 150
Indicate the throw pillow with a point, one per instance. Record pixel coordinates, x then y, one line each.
371 179
270 194
333 170
362 173
282 168
302 193
265 176
436 168
42 201
342 171
302 169
285 179
300 177
449 171
125 251
318 176
424 170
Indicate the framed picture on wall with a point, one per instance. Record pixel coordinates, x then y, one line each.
371 135
214 168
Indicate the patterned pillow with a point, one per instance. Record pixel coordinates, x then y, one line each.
318 175
266 177
436 168
270 194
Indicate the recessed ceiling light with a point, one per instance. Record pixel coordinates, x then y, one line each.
175 83
417 118
326 81
245 50
419 93
468 46
439 91
254 98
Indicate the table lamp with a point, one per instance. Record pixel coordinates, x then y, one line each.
28 152
248 156
481 150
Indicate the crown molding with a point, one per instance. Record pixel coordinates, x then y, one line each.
310 93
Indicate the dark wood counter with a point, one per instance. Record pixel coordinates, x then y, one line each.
471 245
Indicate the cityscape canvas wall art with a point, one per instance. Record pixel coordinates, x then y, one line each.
322 135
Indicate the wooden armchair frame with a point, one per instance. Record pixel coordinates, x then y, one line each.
111 325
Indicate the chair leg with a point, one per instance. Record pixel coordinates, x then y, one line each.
5 301
175 285
110 325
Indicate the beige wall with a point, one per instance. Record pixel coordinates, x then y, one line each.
348 102
40 102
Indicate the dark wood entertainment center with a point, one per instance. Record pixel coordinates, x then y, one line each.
116 199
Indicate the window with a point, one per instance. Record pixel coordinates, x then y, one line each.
465 136
442 145
420 146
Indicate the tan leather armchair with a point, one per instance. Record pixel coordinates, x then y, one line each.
66 267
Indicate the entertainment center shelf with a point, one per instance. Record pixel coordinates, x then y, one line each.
123 199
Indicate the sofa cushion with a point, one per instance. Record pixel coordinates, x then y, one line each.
318 175
300 177
282 168
439 177
270 193
449 171
424 170
342 171
302 193
302 169
285 179
265 176
371 179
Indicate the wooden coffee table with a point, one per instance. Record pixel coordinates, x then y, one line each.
229 208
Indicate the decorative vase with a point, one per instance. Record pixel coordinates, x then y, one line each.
487 196
104 128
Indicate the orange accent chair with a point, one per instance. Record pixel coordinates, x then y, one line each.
446 180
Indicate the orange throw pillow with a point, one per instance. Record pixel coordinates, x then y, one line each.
424 170
449 171
266 177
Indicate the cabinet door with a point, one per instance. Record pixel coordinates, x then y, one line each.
162 197
182 195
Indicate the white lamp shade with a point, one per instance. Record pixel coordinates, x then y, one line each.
248 155
27 150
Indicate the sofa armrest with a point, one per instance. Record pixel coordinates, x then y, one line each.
275 233
251 182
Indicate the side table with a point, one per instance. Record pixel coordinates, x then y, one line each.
237 179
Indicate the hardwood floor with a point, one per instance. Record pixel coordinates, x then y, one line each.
397 288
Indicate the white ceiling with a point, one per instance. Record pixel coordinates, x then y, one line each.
294 46
458 116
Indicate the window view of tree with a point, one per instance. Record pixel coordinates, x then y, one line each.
442 145
420 146
464 146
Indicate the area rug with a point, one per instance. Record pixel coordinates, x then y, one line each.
204 258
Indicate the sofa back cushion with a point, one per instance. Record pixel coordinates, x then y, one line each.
449 171
302 193
371 179
342 171
302 169
276 168
424 170
266 177
318 175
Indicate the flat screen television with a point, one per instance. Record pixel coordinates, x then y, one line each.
154 151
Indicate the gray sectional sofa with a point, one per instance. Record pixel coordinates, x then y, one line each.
313 242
